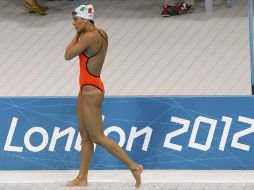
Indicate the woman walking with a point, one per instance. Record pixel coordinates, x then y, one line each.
90 44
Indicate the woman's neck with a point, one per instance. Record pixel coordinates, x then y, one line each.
89 28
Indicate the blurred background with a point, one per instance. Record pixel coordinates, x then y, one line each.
197 53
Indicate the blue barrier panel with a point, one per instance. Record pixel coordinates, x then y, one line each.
159 132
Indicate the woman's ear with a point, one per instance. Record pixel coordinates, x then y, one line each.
85 20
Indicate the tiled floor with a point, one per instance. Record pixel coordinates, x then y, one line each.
191 54
122 180
128 186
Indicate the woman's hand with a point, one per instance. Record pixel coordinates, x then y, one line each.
79 44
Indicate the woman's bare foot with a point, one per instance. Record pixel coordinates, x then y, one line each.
34 7
34 3
136 172
77 182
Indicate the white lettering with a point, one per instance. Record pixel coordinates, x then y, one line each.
8 146
209 139
78 143
169 136
242 133
224 137
57 135
134 134
44 142
119 131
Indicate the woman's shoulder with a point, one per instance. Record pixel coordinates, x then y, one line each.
103 32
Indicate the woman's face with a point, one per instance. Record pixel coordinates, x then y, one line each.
78 23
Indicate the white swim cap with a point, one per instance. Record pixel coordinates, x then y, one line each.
84 11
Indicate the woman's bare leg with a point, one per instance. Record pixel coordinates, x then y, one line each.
87 149
91 100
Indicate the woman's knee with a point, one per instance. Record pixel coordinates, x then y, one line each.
85 137
82 132
98 139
